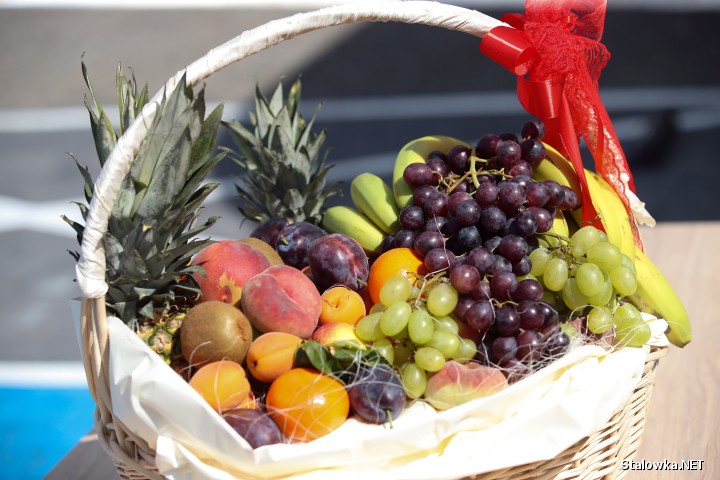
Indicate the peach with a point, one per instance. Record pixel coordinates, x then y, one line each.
282 299
456 384
272 354
223 384
340 304
228 265
338 335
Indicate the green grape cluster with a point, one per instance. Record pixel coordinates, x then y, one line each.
415 332
590 276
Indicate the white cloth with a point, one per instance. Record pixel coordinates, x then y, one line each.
534 419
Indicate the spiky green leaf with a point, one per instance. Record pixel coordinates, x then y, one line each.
204 145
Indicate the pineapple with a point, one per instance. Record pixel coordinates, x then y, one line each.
283 174
152 228
162 334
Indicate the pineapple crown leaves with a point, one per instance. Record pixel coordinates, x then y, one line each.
283 172
152 230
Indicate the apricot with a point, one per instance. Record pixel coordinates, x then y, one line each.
228 265
251 402
341 304
307 404
222 384
272 354
456 384
213 331
282 299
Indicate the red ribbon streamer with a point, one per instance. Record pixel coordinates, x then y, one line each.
555 50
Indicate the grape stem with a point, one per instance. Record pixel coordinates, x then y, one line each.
425 282
556 235
457 182
390 419
473 170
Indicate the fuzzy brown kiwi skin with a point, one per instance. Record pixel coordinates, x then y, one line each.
214 331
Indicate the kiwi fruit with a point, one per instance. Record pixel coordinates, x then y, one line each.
266 249
213 331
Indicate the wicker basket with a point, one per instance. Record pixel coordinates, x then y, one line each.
597 456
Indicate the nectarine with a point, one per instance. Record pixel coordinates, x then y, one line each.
282 299
228 265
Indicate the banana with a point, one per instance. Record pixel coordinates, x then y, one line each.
417 151
572 225
373 197
565 168
610 215
547 170
655 295
615 212
559 227
608 205
351 222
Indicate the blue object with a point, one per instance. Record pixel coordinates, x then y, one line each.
39 426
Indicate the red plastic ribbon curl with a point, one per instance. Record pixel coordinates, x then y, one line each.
555 50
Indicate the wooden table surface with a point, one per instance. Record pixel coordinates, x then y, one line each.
683 423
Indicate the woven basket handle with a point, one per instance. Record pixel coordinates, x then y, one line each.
90 269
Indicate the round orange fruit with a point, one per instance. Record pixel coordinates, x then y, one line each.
403 261
307 404
223 384
341 305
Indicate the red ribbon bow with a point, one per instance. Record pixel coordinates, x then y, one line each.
555 50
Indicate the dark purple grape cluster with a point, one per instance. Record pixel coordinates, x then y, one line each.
466 198
475 213
519 331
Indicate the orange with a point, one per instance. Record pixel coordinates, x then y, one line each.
402 261
307 404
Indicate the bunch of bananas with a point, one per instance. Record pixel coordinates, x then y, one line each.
377 205
374 215
654 294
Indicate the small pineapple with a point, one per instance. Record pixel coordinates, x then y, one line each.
162 334
283 173
151 233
